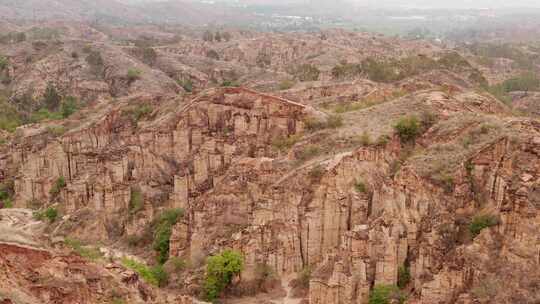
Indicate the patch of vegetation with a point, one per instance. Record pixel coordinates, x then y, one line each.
332 122
87 252
220 270
186 84
308 152
212 54
10 118
304 277
136 200
3 63
137 113
382 140
481 222
346 70
57 187
361 187
286 84
149 55
177 264
6 190
316 173
51 98
133 75
386 294
284 143
69 106
162 233
404 276
155 275
56 131
408 129
96 62
51 214
522 60
396 70
306 72
44 114
365 139
524 82
264 58
44 33
230 83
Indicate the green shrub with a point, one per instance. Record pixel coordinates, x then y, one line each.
230 83
286 84
481 222
306 72
44 114
304 277
178 264
308 152
404 276
386 294
51 98
8 203
365 139
407 128
284 143
69 106
316 173
525 82
136 200
86 252
137 113
162 233
379 71
360 187
96 62
133 75
6 190
346 70
220 270
10 118
58 185
56 131
3 63
382 140
334 121
155 275
51 214
212 54
186 84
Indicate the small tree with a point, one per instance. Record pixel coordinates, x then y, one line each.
481 222
69 106
3 63
404 276
51 98
95 60
220 270
408 128
163 231
386 294
59 184
133 75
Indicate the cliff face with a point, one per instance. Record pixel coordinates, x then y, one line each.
358 219
171 160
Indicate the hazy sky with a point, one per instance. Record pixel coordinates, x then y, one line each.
452 3
413 3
